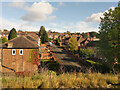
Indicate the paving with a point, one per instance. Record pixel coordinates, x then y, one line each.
65 59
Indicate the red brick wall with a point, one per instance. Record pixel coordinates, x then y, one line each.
17 62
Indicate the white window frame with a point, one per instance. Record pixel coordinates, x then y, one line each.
13 53
19 51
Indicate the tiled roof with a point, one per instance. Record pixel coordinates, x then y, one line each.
20 42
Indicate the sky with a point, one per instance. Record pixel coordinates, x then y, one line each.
56 16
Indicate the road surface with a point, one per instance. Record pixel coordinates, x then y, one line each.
69 64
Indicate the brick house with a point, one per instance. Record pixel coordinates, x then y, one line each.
45 52
16 54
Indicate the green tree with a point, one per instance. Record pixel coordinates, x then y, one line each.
5 30
3 40
84 35
12 34
42 30
68 32
73 45
87 53
92 34
44 37
109 44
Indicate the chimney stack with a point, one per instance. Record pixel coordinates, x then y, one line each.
10 45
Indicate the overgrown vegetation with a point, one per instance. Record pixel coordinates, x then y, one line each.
48 79
34 56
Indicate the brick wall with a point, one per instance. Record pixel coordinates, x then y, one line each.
17 62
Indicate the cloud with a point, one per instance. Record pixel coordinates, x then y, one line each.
39 12
80 26
83 26
53 24
95 17
5 24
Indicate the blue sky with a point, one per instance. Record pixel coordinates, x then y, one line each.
57 16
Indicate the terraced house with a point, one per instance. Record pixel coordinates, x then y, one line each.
20 54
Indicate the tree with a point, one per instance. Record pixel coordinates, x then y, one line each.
68 32
73 45
5 30
42 30
12 34
92 34
84 35
87 53
44 37
109 44
3 40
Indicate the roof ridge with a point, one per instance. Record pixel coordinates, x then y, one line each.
30 41
31 36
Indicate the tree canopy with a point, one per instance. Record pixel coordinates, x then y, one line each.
73 45
109 35
43 34
68 32
12 34
42 30
3 40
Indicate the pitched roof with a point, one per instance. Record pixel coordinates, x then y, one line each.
20 42
84 41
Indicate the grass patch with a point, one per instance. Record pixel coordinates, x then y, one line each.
65 80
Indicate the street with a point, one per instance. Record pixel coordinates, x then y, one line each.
68 63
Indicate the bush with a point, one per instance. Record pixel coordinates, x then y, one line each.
87 53
99 67
54 66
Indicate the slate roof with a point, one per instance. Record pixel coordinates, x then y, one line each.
20 42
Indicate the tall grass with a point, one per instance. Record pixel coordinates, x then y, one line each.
65 80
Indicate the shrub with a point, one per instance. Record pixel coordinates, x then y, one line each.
87 53
54 66
99 67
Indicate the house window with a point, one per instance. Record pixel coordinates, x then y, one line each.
13 51
21 51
